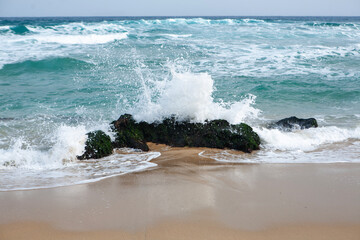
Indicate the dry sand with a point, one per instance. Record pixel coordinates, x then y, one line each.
189 197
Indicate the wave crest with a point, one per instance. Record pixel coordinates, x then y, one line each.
47 64
20 30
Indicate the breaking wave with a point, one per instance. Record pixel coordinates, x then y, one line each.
188 95
315 145
27 167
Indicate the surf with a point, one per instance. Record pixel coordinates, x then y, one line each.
75 75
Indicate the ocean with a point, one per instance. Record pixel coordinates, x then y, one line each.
63 77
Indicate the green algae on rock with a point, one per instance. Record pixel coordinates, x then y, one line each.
98 145
128 133
212 134
170 131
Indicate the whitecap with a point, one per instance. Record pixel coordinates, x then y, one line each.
177 36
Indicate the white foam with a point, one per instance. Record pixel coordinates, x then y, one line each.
71 39
177 36
79 28
189 96
251 20
305 140
202 21
77 173
267 60
69 143
349 153
4 27
205 21
81 39
77 33
25 166
315 145
39 42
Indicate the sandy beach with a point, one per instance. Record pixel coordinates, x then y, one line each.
191 197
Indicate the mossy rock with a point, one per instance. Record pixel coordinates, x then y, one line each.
128 133
249 139
98 145
213 134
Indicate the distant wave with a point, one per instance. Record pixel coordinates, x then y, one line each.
48 64
73 33
234 21
46 41
73 39
81 29
193 21
331 24
81 39
21 30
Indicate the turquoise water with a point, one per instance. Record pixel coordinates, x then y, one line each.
62 77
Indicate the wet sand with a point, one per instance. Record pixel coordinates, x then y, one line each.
189 197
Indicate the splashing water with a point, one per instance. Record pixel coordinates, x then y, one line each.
188 95
69 143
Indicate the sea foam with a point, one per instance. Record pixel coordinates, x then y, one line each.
81 39
69 142
315 145
188 95
23 166
76 173
305 140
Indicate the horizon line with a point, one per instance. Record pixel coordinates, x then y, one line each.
177 16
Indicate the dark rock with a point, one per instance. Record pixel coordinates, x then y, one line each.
10 163
291 123
170 131
249 141
128 133
6 119
97 145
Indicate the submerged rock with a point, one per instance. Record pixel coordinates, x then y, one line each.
97 145
170 131
291 123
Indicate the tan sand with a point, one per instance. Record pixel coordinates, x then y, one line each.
182 230
189 197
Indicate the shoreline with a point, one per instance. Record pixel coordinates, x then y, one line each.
192 196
